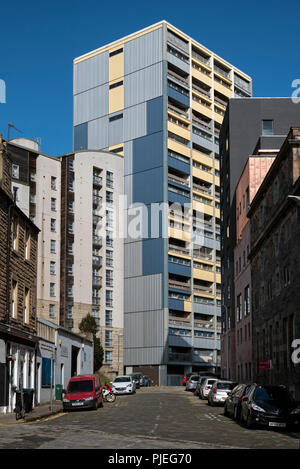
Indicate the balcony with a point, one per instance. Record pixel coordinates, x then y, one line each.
179 357
96 219
201 58
97 200
179 250
95 301
97 240
178 180
97 261
203 289
178 321
222 72
178 111
109 282
201 90
97 181
221 102
179 285
178 77
97 281
202 189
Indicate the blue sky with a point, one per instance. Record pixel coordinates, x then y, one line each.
39 41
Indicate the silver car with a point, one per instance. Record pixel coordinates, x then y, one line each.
192 383
219 392
205 388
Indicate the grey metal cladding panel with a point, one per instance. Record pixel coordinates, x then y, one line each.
91 104
203 308
178 62
128 184
98 134
81 137
133 259
147 152
143 51
203 142
115 132
128 157
148 186
155 115
143 356
144 329
135 121
143 85
91 72
143 293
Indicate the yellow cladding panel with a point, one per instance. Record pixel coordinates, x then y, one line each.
218 117
178 130
217 180
179 148
188 306
203 208
116 99
204 175
217 165
116 67
201 158
217 211
179 234
202 109
202 77
218 278
223 89
205 275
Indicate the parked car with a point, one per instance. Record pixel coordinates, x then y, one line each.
233 403
192 383
219 391
123 385
186 377
83 391
137 377
270 406
147 381
200 383
205 387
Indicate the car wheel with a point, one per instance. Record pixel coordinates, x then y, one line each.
236 414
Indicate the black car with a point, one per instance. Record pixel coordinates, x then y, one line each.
233 403
137 379
271 406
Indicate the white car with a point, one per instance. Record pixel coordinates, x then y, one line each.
219 392
205 387
123 385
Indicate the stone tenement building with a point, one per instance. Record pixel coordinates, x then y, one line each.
275 268
18 272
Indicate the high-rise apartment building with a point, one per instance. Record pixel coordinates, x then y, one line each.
158 97
76 201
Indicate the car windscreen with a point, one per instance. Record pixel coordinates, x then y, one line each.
272 393
225 385
122 379
210 381
81 386
194 378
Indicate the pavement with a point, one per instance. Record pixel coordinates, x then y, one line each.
41 411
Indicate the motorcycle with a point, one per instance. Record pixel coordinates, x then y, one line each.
107 394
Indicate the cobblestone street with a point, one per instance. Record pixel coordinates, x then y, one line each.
153 418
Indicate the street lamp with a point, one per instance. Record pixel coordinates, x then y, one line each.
119 335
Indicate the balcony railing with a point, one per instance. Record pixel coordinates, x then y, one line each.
203 289
97 281
178 111
179 180
95 301
201 58
97 240
97 200
179 250
97 261
179 285
178 77
222 72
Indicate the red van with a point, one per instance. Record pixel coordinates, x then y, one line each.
83 391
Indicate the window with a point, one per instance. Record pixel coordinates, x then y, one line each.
238 307
108 357
26 306
70 269
70 205
70 227
109 179
71 185
52 268
109 278
14 299
15 171
53 204
108 338
109 258
53 183
71 165
15 234
51 311
53 246
115 52
52 289
109 198
117 117
109 298
69 312
108 318
247 300
70 290
27 243
115 85
267 127
70 247
53 224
